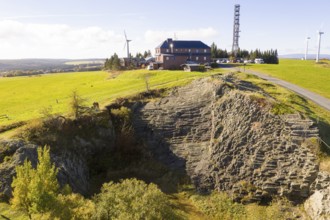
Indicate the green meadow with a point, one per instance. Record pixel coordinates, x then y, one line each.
24 98
305 73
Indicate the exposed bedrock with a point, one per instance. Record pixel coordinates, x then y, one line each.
227 139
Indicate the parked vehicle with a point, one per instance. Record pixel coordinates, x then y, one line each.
150 67
259 61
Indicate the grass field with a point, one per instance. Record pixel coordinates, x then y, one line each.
24 98
305 73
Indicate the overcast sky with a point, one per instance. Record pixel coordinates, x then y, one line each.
94 29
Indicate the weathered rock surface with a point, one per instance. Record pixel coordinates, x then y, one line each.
72 169
72 162
318 205
14 153
226 139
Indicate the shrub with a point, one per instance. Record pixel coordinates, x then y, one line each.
201 68
220 206
122 115
72 206
132 199
281 109
277 210
77 105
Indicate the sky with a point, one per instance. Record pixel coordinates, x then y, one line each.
95 28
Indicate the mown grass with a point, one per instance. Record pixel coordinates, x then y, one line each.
24 98
305 73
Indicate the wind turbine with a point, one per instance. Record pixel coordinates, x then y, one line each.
127 45
306 52
319 48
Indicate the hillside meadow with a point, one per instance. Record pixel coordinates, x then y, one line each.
305 73
25 98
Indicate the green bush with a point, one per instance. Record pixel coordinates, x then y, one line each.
219 206
132 199
281 109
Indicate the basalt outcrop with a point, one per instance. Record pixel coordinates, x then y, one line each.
221 133
72 160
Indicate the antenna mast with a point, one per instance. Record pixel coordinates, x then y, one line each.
236 30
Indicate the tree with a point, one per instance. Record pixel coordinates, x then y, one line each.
214 50
113 63
21 195
35 190
147 54
132 199
44 185
77 107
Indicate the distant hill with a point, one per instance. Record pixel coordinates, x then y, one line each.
300 55
45 64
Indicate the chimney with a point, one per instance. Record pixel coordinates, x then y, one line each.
170 44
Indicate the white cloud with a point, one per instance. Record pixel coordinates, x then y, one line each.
20 40
156 37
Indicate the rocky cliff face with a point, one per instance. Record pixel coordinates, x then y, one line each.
72 162
317 206
227 139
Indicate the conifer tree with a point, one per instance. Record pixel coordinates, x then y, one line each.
21 194
35 191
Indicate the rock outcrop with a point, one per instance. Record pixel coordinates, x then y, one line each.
72 162
14 153
227 139
317 206
72 169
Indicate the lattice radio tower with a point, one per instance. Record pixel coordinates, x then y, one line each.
236 30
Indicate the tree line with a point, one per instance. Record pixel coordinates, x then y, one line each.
269 56
113 63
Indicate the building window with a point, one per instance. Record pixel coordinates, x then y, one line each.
197 58
189 50
204 58
167 58
167 50
205 51
197 51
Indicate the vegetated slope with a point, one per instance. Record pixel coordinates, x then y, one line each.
307 74
227 139
24 98
215 130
